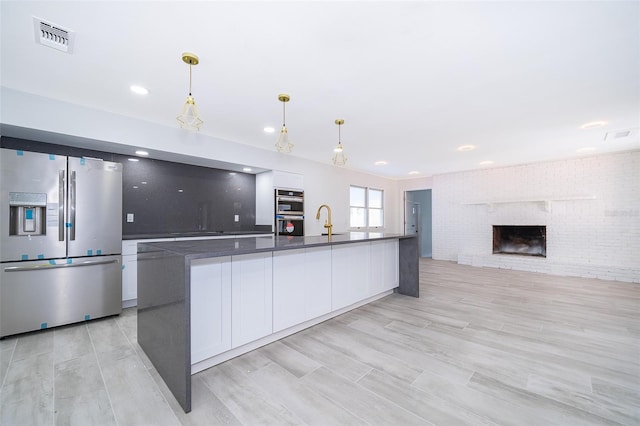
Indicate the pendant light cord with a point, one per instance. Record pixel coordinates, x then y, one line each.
283 114
190 66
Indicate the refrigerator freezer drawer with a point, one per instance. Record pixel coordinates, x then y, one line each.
37 295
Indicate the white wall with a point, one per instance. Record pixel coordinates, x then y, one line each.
591 207
79 126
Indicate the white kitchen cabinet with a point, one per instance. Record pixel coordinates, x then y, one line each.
288 180
129 279
301 286
384 266
350 274
251 297
210 307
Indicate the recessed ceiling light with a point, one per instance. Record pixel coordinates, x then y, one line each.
133 160
135 187
143 153
246 169
593 125
381 163
414 172
143 182
269 130
464 148
139 90
485 162
180 190
232 173
586 149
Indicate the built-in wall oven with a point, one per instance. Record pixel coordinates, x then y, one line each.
289 208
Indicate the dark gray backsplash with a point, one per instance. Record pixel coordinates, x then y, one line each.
185 198
167 197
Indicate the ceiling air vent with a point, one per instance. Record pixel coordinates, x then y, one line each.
618 134
52 35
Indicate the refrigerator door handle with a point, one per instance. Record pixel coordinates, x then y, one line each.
61 198
72 206
65 265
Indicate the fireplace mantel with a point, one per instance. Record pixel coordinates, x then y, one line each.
544 203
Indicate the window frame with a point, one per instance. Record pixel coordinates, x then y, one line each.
367 208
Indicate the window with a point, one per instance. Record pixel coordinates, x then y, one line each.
366 207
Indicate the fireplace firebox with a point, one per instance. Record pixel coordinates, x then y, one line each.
520 240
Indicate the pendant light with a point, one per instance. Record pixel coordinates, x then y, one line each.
338 152
189 117
283 144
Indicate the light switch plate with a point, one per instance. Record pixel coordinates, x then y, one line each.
129 217
236 218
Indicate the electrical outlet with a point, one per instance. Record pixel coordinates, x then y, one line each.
236 218
129 217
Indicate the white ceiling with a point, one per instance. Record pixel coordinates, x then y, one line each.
412 80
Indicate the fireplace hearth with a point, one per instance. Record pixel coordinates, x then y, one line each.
528 240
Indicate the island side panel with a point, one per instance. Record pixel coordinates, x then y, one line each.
409 275
164 317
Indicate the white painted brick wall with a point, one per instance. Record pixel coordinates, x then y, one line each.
598 236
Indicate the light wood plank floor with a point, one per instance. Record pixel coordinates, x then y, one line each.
480 346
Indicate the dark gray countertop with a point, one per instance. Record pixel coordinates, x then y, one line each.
197 249
192 234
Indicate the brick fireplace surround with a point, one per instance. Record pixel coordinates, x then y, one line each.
590 207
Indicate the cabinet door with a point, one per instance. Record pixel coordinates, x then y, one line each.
251 297
210 307
350 274
301 286
384 266
129 277
317 276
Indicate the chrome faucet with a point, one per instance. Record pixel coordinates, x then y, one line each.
327 223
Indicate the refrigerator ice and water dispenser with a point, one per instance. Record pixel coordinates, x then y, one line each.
27 213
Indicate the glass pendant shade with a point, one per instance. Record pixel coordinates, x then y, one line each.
338 152
338 156
283 144
189 117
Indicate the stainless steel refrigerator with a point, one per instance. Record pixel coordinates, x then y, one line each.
61 239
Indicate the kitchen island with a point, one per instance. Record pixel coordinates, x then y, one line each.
206 301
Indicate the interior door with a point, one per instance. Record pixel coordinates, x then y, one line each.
411 218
